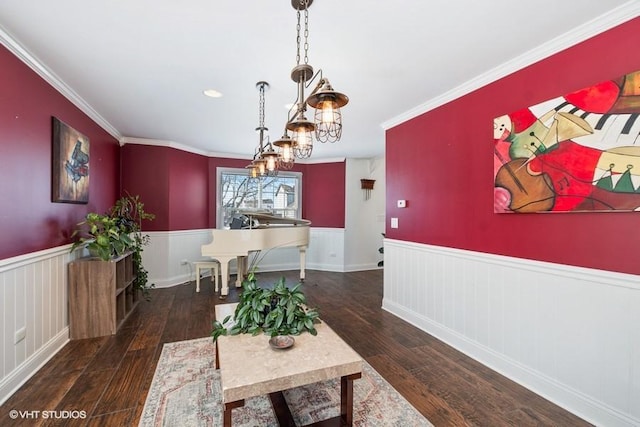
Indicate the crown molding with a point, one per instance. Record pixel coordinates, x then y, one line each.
171 144
162 143
319 160
615 17
182 147
50 77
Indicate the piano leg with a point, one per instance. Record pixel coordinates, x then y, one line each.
224 276
303 257
241 270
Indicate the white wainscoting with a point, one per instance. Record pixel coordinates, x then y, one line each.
33 296
569 334
167 250
326 249
163 257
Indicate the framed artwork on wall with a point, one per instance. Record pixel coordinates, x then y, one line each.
70 168
579 152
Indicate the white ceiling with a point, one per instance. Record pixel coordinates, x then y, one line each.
138 67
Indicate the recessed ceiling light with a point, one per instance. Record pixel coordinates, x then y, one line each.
212 93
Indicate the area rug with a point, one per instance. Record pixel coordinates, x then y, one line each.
185 391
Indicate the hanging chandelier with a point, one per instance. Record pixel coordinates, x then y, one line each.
327 119
327 124
265 159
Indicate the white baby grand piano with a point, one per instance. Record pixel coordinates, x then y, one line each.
264 231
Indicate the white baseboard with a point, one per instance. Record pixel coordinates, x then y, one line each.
16 379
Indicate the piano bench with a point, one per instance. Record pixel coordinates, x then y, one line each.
212 265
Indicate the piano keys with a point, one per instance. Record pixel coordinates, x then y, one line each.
609 130
265 232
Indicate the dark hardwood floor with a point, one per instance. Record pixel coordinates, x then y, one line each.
109 377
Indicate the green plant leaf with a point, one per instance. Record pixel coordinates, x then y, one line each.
308 323
242 321
256 317
300 298
241 310
291 315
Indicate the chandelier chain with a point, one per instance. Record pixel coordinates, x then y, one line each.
261 106
306 32
298 40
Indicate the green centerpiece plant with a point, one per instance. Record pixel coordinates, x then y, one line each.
278 311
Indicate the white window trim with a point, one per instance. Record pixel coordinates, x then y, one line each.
239 171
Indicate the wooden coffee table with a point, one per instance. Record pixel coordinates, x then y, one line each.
250 367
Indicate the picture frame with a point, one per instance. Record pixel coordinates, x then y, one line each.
70 164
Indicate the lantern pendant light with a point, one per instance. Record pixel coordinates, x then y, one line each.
327 124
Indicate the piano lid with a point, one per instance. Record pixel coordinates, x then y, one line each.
262 219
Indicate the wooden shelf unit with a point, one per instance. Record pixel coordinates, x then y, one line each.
102 294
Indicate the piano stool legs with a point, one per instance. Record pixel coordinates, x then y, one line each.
207 265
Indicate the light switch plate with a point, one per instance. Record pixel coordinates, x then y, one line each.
20 335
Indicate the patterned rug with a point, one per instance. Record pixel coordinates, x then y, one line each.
186 392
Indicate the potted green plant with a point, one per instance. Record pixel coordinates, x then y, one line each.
278 311
102 236
119 231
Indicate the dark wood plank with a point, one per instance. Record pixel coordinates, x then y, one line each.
178 317
40 393
120 418
110 354
151 329
81 397
440 411
146 385
124 388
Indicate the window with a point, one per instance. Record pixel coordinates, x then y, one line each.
278 194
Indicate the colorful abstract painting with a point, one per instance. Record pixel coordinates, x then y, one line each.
70 168
577 152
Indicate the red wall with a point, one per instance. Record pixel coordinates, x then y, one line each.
172 184
145 172
442 163
323 194
29 221
188 191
